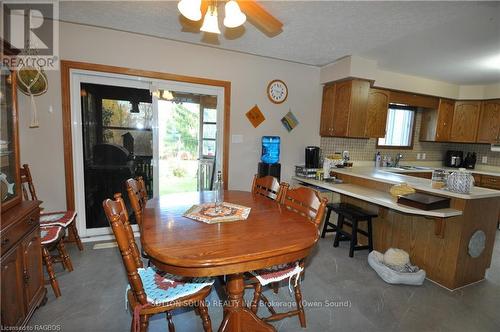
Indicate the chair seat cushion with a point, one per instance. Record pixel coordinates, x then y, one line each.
277 273
61 218
50 234
162 287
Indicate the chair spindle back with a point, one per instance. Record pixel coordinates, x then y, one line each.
136 199
267 186
142 190
27 187
116 214
305 201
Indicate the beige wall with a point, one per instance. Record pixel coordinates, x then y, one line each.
42 147
355 66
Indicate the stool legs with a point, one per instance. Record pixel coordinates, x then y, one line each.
370 239
325 225
340 224
354 238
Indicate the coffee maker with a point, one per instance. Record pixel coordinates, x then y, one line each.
453 158
312 157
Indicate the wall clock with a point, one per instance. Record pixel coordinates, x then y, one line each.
277 91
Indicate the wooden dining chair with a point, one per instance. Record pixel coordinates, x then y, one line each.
267 186
64 219
142 190
52 237
151 291
308 203
136 199
304 201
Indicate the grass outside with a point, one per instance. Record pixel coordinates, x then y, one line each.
169 183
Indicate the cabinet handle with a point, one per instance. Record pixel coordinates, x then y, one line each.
5 241
26 277
31 221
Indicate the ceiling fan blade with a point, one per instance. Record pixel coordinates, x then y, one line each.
260 17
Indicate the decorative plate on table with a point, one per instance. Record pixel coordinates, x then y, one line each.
207 213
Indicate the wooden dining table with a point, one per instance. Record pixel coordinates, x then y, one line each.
270 235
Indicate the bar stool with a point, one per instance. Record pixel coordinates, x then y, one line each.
328 227
354 214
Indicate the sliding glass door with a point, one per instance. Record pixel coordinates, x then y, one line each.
124 127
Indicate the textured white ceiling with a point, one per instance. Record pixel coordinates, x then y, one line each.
447 41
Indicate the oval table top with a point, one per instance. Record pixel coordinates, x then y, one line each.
270 235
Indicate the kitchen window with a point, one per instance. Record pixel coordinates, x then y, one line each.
399 128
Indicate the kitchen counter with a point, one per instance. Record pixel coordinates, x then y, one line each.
378 197
426 169
386 175
438 240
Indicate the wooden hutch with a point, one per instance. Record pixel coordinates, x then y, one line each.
22 282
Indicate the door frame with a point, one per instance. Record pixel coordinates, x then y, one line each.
66 67
188 88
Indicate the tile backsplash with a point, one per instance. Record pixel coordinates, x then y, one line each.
365 149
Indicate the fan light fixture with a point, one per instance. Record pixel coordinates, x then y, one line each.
210 23
234 17
190 9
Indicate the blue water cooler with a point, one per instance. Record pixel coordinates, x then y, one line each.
269 159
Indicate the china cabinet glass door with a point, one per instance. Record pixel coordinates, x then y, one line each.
9 158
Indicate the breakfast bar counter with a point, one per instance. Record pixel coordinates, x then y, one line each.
454 245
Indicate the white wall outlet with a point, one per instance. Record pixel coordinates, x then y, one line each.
424 156
484 159
236 139
418 156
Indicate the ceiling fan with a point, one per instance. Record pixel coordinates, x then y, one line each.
236 12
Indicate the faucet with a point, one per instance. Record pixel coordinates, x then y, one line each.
399 156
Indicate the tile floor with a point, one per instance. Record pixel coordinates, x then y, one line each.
342 293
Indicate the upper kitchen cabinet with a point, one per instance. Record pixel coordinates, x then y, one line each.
489 122
436 123
376 114
326 126
465 121
344 110
413 99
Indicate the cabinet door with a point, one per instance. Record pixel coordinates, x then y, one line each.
32 258
342 106
376 115
465 121
326 127
489 122
444 120
13 309
357 113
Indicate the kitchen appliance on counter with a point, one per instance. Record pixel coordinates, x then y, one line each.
306 172
453 158
312 157
470 160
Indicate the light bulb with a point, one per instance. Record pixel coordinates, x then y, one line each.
234 16
190 9
210 23
167 95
